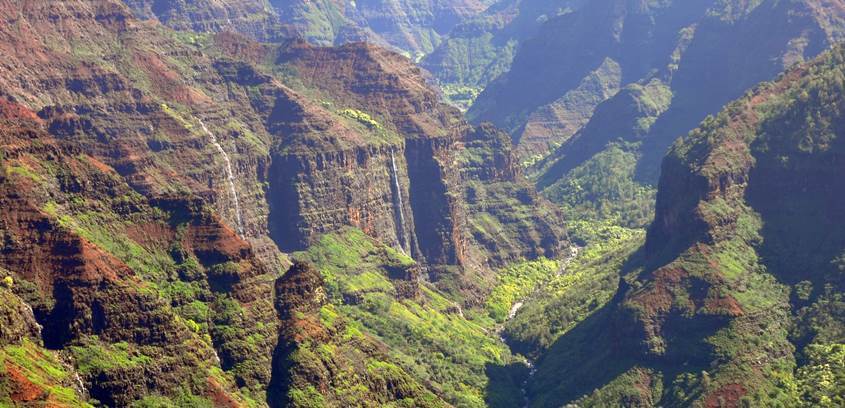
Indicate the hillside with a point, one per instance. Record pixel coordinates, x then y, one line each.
157 183
481 48
607 88
412 27
735 298
199 209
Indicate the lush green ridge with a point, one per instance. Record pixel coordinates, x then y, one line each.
727 303
585 284
51 379
428 334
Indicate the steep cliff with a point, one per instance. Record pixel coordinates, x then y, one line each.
255 18
152 179
115 279
378 152
414 27
624 79
738 288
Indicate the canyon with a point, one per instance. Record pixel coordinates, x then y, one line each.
421 204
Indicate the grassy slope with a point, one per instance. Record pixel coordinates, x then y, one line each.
428 336
731 305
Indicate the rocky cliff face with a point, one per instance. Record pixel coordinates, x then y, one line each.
255 18
720 298
363 103
504 209
388 165
88 277
618 72
412 26
152 177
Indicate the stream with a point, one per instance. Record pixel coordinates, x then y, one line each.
573 252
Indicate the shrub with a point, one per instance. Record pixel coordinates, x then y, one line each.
362 117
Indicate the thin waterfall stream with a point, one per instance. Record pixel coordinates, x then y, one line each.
397 204
230 177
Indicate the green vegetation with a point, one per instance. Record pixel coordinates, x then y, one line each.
638 387
738 284
362 117
24 171
49 376
821 382
107 230
427 335
465 64
584 285
516 283
93 356
461 96
603 188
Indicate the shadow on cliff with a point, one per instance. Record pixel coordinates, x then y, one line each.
283 201
583 359
736 57
280 379
802 204
580 361
604 346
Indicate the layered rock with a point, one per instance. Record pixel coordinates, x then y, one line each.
392 173
87 274
145 170
254 18
505 212
619 73
721 296
412 26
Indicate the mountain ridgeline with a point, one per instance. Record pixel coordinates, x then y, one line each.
736 297
608 86
413 27
266 203
157 182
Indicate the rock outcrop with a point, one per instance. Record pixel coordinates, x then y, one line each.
304 372
254 18
744 248
150 178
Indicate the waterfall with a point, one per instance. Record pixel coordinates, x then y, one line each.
397 204
230 177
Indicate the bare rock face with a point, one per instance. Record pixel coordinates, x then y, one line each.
355 188
421 168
